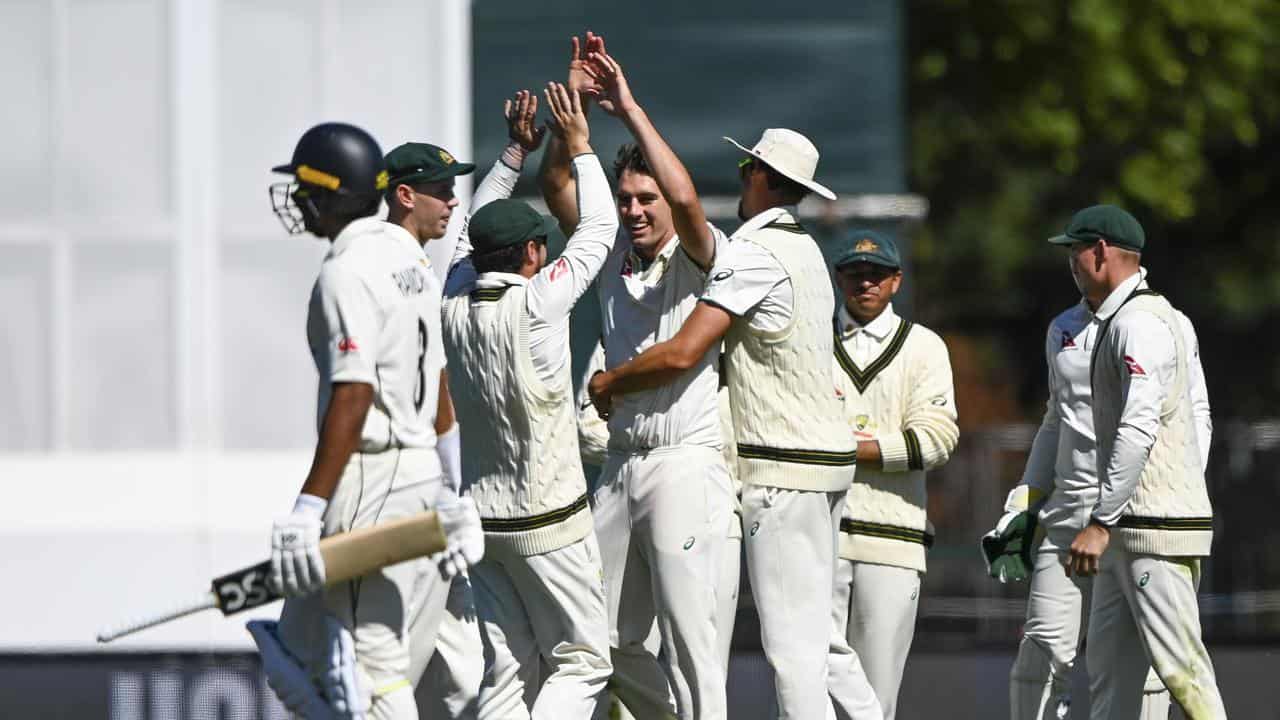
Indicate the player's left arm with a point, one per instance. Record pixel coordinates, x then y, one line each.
1198 391
614 97
929 430
663 362
1147 357
524 138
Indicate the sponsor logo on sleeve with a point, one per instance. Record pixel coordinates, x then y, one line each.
559 269
722 276
347 345
1134 368
1067 342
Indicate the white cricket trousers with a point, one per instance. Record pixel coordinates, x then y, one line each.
1144 610
644 696
791 554
449 678
874 611
1040 681
662 518
536 609
376 608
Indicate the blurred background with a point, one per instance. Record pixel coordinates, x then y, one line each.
158 397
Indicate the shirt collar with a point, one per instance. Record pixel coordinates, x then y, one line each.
500 279
354 229
662 259
879 328
781 212
1119 295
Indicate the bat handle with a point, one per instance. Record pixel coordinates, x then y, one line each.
203 601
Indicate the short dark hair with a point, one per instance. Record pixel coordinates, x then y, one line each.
506 259
630 158
793 191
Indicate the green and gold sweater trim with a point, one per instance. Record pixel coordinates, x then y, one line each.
801 457
862 378
887 532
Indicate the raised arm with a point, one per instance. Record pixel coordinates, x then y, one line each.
614 97
555 289
555 176
520 113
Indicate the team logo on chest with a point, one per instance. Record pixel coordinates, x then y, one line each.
861 421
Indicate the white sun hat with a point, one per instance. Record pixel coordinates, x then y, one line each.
791 154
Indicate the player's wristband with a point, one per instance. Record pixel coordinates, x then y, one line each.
311 505
449 449
513 156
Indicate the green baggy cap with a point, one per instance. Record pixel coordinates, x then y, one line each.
506 222
423 163
1109 222
870 246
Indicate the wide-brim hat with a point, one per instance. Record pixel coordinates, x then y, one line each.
791 154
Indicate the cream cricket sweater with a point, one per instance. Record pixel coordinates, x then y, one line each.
788 425
902 397
523 468
1168 512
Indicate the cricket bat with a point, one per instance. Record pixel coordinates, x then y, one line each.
346 556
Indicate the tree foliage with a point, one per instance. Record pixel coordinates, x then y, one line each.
1023 112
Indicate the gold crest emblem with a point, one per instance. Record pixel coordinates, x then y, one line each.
866 245
861 421
446 158
380 182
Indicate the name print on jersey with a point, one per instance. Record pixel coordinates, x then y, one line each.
410 280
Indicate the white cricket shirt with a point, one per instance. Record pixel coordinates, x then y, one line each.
1063 459
641 306
748 281
553 291
374 318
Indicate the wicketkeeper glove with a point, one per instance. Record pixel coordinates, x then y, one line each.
1007 548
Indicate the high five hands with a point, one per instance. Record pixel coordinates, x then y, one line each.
569 121
609 88
521 112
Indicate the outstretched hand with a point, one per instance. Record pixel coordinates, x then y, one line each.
570 122
610 90
578 79
521 112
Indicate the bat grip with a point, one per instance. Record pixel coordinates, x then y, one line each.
203 601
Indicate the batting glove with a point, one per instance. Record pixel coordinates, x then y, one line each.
296 565
461 522
1007 548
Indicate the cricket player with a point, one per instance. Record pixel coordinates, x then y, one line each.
420 199
769 299
664 503
1152 521
539 592
1060 488
593 439
893 379
374 331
